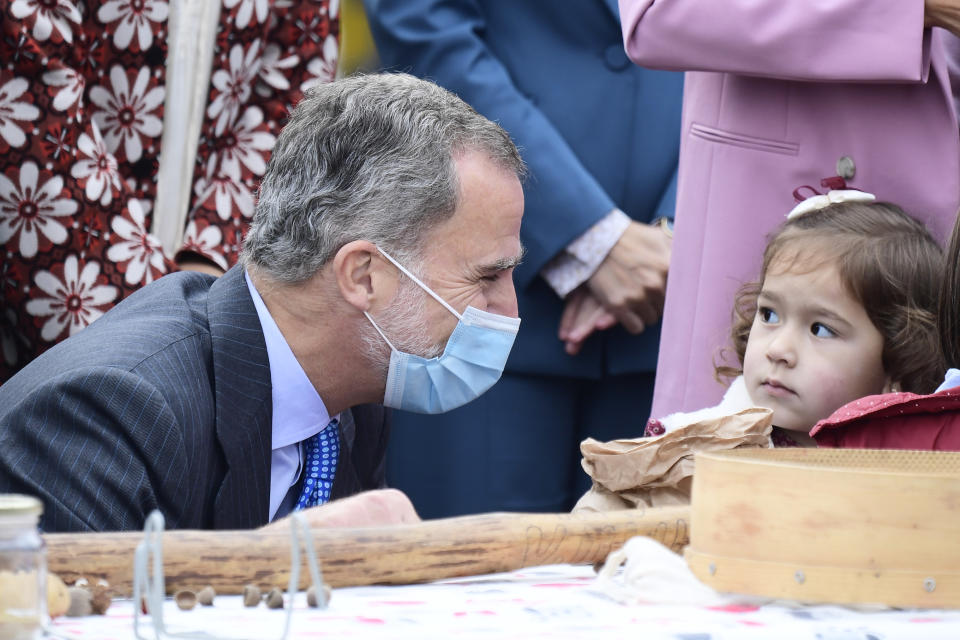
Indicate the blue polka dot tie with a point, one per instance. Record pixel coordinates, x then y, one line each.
321 463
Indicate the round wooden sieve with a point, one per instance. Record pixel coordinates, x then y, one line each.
829 525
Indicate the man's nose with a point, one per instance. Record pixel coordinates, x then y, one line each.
503 300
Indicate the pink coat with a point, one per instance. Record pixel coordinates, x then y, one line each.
777 92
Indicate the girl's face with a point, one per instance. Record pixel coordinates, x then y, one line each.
812 348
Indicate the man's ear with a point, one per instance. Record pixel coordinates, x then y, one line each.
892 386
362 277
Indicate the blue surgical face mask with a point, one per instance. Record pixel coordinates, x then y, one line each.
471 363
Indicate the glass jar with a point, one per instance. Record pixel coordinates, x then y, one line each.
23 569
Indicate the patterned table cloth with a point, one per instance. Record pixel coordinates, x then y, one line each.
557 601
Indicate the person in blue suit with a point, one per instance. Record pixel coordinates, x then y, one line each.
600 137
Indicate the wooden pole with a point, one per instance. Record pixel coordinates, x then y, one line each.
399 554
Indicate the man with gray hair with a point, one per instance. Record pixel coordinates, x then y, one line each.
377 271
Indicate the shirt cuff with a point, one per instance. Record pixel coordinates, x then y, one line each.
574 265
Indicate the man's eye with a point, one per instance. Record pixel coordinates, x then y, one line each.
821 330
493 277
768 315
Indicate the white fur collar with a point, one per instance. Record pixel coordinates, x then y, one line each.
735 399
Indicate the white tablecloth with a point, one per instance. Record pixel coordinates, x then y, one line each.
543 602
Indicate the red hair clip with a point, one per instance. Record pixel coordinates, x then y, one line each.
833 183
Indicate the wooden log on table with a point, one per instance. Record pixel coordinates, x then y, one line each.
398 554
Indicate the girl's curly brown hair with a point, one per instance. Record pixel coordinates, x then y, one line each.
887 260
949 313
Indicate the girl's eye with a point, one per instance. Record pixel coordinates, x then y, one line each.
822 330
768 315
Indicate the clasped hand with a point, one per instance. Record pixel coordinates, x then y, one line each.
942 13
628 288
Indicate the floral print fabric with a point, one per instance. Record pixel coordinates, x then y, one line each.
82 88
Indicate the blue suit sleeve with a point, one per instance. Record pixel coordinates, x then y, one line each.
444 41
68 441
667 206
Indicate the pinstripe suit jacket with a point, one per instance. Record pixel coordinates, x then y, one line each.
163 403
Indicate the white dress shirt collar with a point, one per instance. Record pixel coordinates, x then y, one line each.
298 411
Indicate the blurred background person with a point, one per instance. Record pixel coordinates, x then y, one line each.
133 134
600 137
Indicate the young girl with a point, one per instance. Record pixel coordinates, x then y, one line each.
911 420
845 307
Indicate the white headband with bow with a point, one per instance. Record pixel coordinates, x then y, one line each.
830 197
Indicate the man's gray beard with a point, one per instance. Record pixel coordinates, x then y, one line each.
405 324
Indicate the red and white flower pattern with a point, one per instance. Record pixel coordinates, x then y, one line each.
49 17
14 111
205 243
245 142
74 300
81 116
272 67
247 9
234 84
129 17
139 254
31 208
322 69
228 193
98 172
70 97
126 113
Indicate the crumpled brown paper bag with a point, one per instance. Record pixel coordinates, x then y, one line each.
658 471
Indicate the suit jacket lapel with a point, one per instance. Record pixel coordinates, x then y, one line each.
244 406
345 481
